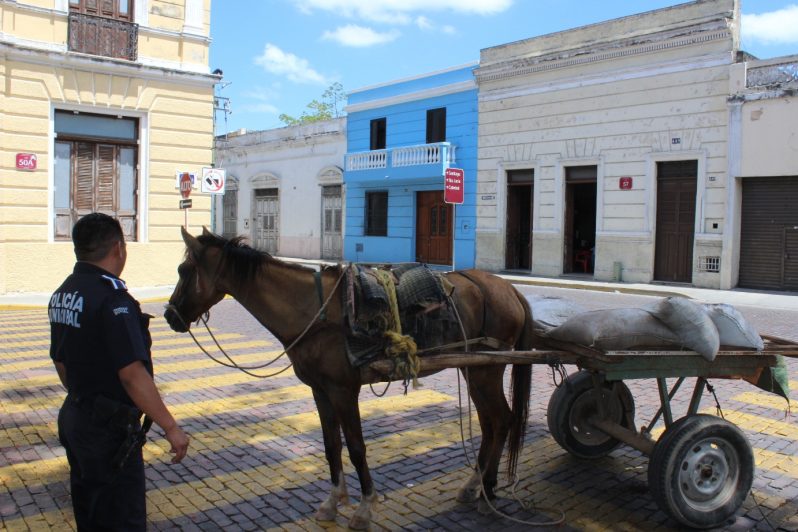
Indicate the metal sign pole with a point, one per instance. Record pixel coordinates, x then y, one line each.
454 235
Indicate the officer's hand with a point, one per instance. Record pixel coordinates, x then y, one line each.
179 442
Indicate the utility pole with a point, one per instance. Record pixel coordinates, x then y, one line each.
220 103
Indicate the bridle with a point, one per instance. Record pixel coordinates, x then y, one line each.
203 317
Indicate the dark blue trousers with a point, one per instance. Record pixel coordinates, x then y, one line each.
102 498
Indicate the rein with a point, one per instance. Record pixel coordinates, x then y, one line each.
248 369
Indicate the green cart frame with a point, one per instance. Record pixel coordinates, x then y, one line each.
701 468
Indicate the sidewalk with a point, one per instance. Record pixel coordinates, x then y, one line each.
734 297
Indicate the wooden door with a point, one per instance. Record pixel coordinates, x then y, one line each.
433 228
519 227
266 220
676 193
331 206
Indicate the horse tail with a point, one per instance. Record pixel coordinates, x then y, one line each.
520 390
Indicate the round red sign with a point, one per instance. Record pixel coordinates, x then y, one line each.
185 185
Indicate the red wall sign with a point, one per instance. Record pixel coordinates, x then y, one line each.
26 161
453 186
625 183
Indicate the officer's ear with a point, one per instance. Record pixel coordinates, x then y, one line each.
192 243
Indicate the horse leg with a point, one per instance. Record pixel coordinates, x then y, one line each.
331 430
345 402
486 389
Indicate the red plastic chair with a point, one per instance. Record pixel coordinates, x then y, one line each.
582 259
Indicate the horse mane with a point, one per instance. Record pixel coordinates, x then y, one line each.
242 260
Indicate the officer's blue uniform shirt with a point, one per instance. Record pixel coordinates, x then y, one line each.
97 328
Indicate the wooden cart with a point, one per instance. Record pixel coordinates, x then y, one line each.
702 466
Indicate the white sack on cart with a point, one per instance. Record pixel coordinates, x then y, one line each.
550 312
616 329
733 329
691 323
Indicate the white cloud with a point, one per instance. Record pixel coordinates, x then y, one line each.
358 36
401 11
276 61
774 27
261 99
423 23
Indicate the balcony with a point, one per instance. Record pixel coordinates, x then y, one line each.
102 36
406 162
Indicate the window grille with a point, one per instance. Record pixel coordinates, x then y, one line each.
709 264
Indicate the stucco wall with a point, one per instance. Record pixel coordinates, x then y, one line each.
297 161
770 137
174 110
403 105
652 89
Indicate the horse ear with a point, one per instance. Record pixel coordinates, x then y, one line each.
205 231
191 243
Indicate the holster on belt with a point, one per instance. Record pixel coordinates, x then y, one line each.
121 418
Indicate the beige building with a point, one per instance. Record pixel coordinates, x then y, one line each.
603 150
763 160
101 104
285 189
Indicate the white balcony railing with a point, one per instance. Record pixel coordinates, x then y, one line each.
367 160
401 157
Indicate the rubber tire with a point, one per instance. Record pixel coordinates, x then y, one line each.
710 440
566 431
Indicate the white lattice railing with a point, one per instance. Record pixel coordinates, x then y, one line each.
367 160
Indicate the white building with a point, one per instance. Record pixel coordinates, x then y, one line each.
284 189
604 149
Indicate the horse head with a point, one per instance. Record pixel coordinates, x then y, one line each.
197 289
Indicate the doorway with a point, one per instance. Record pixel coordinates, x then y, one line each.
520 194
580 219
433 228
676 194
331 207
266 220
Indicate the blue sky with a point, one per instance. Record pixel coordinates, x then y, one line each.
278 55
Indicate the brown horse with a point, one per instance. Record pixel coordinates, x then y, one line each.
284 298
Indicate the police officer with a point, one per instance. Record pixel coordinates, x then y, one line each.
100 345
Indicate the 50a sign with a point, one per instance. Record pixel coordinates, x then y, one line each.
26 161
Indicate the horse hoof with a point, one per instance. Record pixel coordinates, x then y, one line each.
359 523
467 495
326 514
483 507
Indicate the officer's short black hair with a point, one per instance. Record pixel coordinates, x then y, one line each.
94 235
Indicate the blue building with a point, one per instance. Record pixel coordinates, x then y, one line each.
401 138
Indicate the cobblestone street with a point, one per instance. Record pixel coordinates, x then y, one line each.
256 459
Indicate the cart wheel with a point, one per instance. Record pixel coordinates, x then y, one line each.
574 402
701 470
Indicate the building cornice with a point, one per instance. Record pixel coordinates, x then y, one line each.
516 67
472 64
104 65
671 67
444 90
